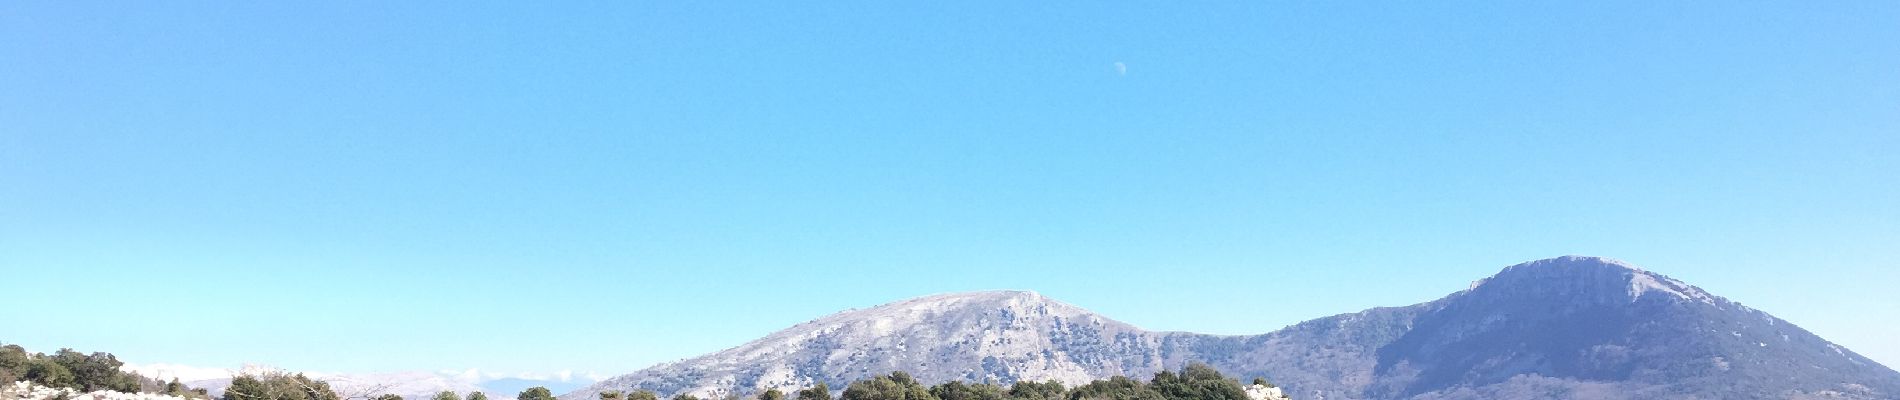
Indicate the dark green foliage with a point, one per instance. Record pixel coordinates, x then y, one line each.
610 395
772 394
446 395
896 386
1026 390
97 371
1197 382
246 387
1115 388
535 393
279 387
12 363
642 395
48 373
956 390
820 392
79 371
476 396
683 396
387 396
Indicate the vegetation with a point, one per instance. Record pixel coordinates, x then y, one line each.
896 386
69 369
535 393
279 386
1194 382
820 392
1116 388
100 371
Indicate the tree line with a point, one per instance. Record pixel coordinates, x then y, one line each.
100 371
69 369
1194 382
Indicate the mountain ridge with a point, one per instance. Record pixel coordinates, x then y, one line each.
1572 324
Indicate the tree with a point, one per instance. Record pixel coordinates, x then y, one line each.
280 386
1029 390
313 389
1197 382
387 396
642 394
12 363
1262 382
174 388
903 378
1201 372
246 387
98 371
819 392
446 395
772 394
535 393
477 395
49 373
896 386
1115 388
957 390
684 396
609 395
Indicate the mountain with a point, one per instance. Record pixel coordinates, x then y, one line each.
1002 336
1568 327
508 387
408 384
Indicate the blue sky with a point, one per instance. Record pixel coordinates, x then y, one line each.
367 186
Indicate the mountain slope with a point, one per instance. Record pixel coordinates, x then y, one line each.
998 336
1569 327
1599 320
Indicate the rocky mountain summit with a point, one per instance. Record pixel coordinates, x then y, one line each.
1568 327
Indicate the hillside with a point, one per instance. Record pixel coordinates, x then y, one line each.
1569 327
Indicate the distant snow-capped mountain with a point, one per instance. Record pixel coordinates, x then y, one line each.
1570 327
414 385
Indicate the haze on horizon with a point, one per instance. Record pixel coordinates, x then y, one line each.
359 187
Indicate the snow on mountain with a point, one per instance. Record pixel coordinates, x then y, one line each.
1568 327
408 384
1000 336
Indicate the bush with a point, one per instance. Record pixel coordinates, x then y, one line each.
535 393
50 374
278 386
820 392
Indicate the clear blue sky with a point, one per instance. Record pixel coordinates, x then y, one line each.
377 185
